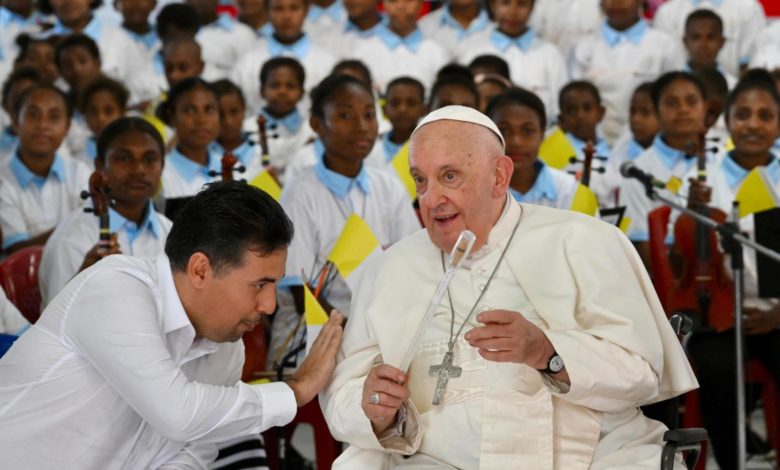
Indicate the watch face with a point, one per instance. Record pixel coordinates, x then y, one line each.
556 364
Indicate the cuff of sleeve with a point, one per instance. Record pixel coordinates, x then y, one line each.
405 435
279 405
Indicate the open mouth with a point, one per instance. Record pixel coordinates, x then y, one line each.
445 219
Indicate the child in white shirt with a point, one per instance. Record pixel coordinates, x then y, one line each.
223 39
703 41
454 22
104 100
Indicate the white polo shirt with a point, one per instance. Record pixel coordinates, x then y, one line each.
77 233
114 365
552 188
285 137
321 21
222 43
30 204
312 153
440 26
183 177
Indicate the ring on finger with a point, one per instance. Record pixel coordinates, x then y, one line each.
374 398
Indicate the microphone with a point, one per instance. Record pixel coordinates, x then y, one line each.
629 170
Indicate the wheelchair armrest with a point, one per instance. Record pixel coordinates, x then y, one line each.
678 440
682 323
685 436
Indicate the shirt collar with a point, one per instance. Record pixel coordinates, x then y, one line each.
225 21
148 39
503 42
633 34
189 169
24 176
93 29
543 188
339 184
668 155
634 149
601 145
477 24
412 41
292 121
151 223
91 148
350 27
243 152
7 17
265 31
735 173
335 12
391 148
299 48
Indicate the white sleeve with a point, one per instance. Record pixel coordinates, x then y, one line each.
13 225
11 320
122 341
193 456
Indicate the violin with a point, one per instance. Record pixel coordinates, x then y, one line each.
265 154
589 154
702 284
98 192
228 163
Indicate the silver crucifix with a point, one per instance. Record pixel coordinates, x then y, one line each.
444 371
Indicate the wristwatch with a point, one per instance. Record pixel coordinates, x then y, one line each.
554 364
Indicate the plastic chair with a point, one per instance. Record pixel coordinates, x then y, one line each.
19 279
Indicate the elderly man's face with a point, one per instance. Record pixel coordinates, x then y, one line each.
461 175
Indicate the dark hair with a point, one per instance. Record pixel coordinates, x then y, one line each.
225 87
24 41
338 69
123 125
179 15
714 81
279 62
44 6
165 109
454 70
754 79
520 97
223 221
117 89
454 80
664 81
322 94
76 40
704 14
409 81
645 87
24 97
20 74
579 85
493 64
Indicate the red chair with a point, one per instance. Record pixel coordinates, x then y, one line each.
663 281
255 352
19 280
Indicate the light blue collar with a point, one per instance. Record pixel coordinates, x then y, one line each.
339 184
668 155
335 11
319 148
391 148
8 140
735 174
24 176
189 169
117 221
412 41
543 188
633 34
350 27
503 42
93 29
299 48
292 121
265 31
7 18
148 39
717 3
225 21
243 152
477 24
602 147
634 149
91 148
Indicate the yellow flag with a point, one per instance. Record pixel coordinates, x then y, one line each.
755 194
674 184
556 150
584 201
625 224
267 183
353 246
315 314
729 145
400 164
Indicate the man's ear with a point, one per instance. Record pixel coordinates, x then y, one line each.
504 169
199 270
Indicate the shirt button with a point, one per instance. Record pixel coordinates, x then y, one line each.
481 287
482 271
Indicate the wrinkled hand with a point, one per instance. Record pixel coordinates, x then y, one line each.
96 253
509 337
699 194
761 321
314 372
390 384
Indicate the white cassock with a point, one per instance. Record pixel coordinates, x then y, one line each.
592 297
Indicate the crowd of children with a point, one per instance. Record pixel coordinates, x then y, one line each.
324 95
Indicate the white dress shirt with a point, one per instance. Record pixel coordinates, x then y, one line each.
443 28
311 153
112 376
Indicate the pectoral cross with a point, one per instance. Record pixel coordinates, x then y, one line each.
444 371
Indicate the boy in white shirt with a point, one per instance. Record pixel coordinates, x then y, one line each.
625 52
454 22
135 21
404 106
38 186
253 14
17 82
363 21
324 16
223 40
703 41
535 64
563 22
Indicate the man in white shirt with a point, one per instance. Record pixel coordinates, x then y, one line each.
136 364
554 356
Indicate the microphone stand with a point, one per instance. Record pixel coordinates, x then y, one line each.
732 242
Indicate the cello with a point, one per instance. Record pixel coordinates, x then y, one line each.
98 192
702 284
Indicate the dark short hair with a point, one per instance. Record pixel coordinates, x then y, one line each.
408 81
19 74
225 87
178 15
714 81
520 97
664 81
454 70
76 40
165 109
339 68
457 81
123 125
117 89
579 85
493 63
280 62
704 14
325 91
754 79
44 6
223 221
24 97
